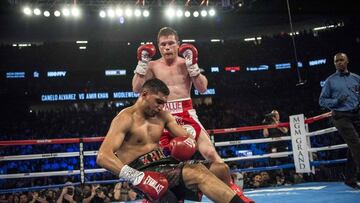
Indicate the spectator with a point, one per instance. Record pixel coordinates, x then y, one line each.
66 195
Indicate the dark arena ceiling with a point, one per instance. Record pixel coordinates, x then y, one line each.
233 18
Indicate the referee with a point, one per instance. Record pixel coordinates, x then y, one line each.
341 95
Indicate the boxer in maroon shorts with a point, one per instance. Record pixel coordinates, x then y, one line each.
131 151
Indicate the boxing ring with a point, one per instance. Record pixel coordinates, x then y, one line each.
310 191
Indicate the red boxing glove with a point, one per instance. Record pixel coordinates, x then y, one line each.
190 53
154 185
182 148
146 52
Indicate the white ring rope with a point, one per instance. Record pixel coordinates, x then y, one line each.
271 155
321 132
46 156
252 141
275 139
51 173
332 147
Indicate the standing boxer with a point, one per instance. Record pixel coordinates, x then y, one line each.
179 74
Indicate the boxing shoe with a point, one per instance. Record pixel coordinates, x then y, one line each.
240 193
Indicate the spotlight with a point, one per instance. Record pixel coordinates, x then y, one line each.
37 11
187 14
46 13
110 13
119 12
137 12
238 3
57 13
203 13
75 12
196 14
122 20
27 11
179 13
66 12
211 12
146 13
170 12
128 12
102 14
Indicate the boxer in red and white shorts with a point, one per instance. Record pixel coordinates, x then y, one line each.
185 116
179 74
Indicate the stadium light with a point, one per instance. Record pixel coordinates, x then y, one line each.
75 11
27 11
187 14
179 13
57 13
249 39
46 13
102 14
122 20
119 12
146 13
170 12
196 14
65 12
128 12
211 12
137 13
111 13
37 11
188 40
203 13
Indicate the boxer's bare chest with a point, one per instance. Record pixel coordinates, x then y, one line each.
176 78
146 131
174 74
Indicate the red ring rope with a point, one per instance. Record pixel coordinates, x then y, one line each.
99 139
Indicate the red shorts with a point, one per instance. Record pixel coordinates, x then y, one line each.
185 116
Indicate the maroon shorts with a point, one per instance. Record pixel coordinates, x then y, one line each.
168 166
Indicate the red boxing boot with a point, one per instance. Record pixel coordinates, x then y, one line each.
240 193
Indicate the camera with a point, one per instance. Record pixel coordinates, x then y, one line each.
101 189
42 193
269 118
70 190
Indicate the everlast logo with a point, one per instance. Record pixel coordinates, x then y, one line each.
173 107
154 184
152 156
179 120
190 142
